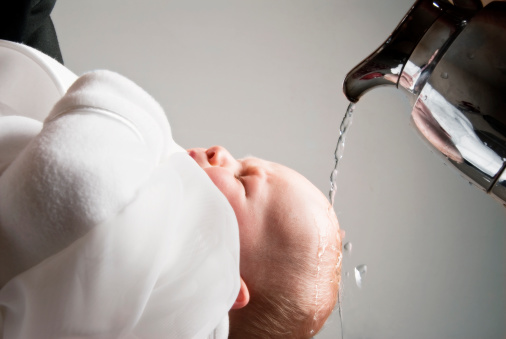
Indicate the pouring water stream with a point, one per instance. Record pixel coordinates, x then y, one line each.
338 154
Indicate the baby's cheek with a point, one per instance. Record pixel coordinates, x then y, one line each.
226 183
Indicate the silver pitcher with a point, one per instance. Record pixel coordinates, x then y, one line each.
450 58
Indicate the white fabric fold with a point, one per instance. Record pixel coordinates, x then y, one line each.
156 270
108 229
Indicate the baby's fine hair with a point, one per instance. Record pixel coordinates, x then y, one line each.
300 297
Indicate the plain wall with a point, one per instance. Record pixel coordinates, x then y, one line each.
264 77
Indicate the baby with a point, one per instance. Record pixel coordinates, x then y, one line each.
108 228
290 246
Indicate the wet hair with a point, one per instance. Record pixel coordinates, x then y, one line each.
295 302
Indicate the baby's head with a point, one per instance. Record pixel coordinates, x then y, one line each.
290 246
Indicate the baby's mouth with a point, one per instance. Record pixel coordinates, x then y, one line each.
192 154
197 156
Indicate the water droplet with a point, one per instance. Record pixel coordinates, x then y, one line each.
347 247
347 274
444 75
360 272
470 55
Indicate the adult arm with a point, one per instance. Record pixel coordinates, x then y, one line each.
29 22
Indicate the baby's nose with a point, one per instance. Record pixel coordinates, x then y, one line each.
218 156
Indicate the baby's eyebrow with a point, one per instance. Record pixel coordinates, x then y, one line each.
246 163
246 159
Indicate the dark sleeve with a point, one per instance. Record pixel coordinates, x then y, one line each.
28 22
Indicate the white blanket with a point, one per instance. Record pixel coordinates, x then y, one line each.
108 228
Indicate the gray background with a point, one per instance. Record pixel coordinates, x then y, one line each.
264 77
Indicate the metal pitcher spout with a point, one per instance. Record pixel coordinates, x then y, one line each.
449 57
385 65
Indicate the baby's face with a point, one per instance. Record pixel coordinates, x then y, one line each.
246 183
276 208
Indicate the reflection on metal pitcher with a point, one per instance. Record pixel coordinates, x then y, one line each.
450 58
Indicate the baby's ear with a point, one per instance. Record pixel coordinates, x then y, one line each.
242 298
